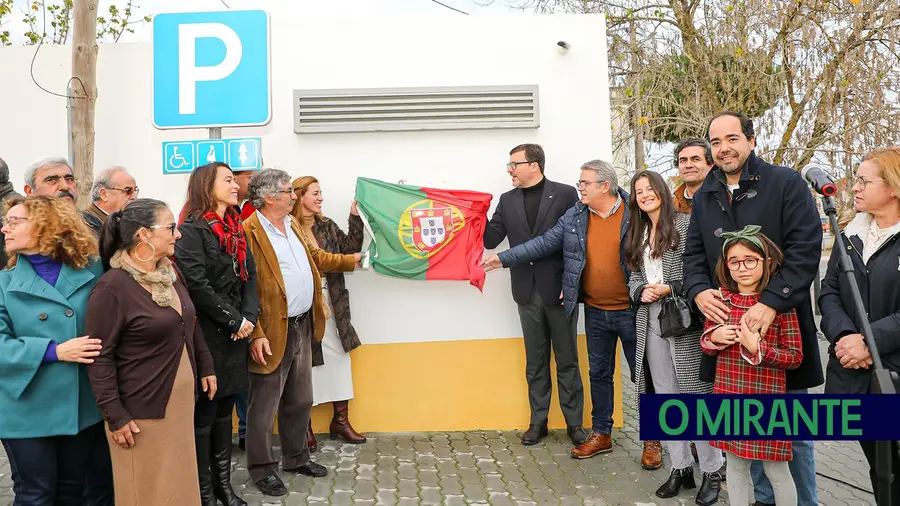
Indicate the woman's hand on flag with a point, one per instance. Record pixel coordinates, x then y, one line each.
492 262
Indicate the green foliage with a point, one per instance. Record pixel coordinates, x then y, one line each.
748 81
52 21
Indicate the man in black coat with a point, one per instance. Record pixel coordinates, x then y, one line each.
527 211
744 190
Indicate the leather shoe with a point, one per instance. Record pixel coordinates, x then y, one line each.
272 485
709 490
677 478
242 444
651 459
596 444
534 434
577 434
310 469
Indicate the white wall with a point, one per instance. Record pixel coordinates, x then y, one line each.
355 53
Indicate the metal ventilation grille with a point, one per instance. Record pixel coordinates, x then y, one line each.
398 109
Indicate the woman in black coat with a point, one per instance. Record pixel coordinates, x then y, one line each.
871 240
221 276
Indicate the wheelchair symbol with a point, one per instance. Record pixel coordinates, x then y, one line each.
177 161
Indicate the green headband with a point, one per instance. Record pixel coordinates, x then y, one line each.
750 233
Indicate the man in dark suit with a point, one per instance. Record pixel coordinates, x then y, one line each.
525 212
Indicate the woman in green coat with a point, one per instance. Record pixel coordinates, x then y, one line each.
49 421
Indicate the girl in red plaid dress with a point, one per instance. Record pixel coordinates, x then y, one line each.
749 363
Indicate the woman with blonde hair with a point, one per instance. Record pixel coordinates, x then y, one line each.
871 240
332 375
49 421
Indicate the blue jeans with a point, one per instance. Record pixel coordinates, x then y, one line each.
803 471
56 470
603 329
240 405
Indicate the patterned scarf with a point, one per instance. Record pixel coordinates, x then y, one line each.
231 237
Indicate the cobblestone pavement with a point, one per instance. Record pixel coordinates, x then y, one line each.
493 467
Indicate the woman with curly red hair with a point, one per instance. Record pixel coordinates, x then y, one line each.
50 425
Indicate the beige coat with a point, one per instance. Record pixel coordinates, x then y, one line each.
273 317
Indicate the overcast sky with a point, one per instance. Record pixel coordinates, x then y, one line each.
314 7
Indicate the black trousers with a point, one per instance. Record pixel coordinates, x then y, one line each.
868 448
206 411
62 470
545 326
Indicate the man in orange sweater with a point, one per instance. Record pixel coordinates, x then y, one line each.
590 236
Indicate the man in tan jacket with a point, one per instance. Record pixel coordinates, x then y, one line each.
291 314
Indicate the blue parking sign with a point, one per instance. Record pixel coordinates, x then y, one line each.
211 69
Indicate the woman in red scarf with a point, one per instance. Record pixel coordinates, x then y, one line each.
221 277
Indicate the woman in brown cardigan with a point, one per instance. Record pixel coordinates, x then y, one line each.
332 375
152 352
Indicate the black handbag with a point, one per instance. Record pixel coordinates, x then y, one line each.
676 317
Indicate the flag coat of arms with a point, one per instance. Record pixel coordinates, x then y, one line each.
424 233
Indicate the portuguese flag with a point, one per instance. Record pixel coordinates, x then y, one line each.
424 233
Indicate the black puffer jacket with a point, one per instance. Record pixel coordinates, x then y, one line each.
222 300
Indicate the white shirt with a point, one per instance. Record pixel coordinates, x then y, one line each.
876 237
294 264
653 267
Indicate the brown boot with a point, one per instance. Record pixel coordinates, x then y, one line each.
596 444
311 440
651 459
340 424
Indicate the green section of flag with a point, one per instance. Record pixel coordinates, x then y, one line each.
385 208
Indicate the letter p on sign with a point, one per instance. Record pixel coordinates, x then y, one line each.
211 69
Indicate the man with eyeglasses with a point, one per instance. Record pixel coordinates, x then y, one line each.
54 177
113 189
590 236
741 190
531 208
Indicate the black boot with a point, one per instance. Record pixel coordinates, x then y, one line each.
677 479
709 490
220 443
201 441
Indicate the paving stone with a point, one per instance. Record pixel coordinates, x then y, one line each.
430 496
469 475
428 478
388 497
447 468
475 492
364 491
466 460
407 471
451 486
454 500
408 488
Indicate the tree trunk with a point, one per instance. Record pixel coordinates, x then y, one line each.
84 88
637 111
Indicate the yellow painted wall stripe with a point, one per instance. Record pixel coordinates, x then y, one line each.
452 386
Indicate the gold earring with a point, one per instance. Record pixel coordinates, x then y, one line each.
152 252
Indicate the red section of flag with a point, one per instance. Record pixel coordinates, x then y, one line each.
461 257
